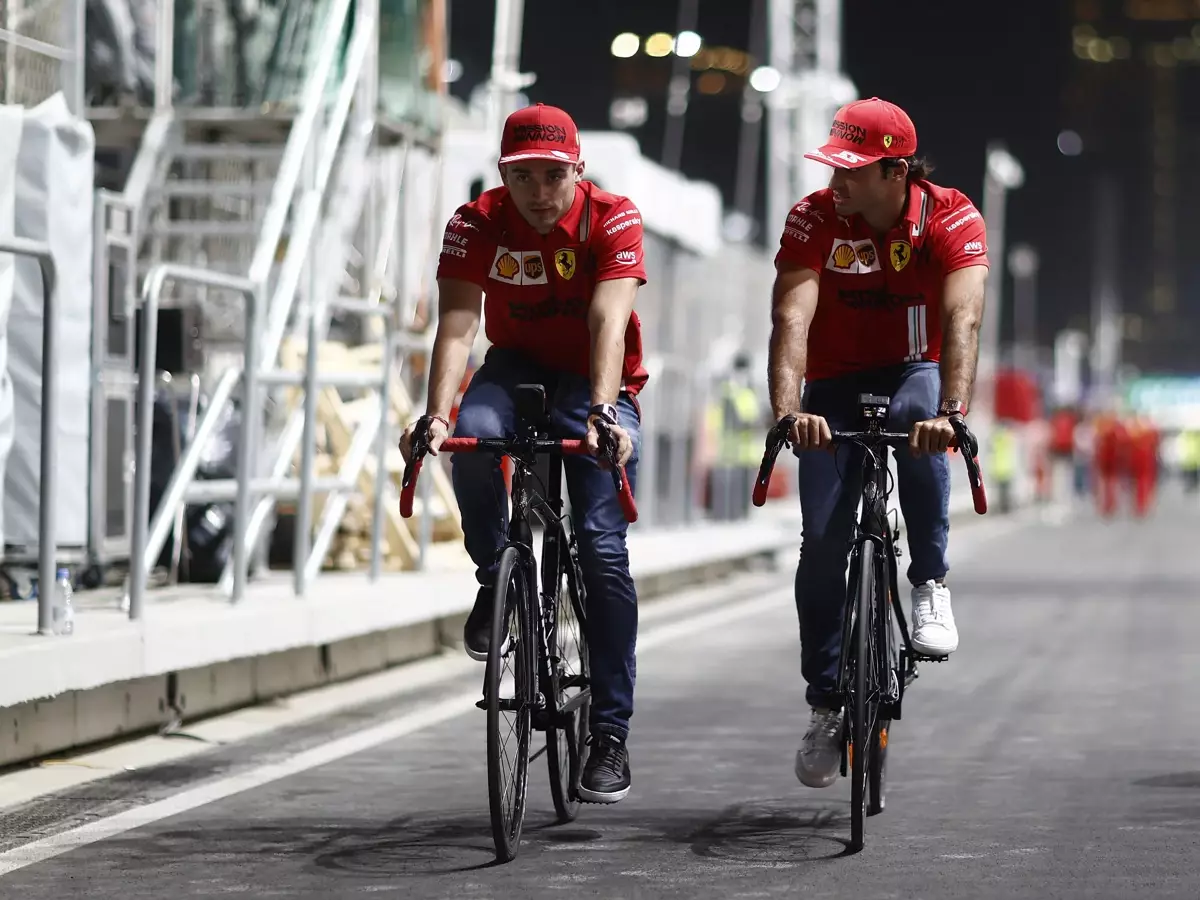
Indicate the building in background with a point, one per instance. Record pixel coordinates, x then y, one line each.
1130 97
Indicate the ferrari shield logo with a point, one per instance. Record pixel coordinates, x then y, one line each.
564 261
887 141
900 253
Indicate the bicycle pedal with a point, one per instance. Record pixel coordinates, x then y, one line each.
920 657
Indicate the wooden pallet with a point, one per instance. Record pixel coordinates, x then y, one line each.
337 422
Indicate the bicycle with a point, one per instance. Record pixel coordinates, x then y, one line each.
868 643
543 635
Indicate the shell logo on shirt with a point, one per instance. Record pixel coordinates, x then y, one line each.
853 257
507 266
523 267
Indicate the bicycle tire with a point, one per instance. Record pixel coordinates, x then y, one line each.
886 666
568 659
512 592
860 753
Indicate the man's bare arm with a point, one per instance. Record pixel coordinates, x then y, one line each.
962 315
460 304
608 318
793 305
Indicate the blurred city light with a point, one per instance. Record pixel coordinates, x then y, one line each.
659 44
628 112
710 83
625 45
452 70
765 79
687 44
1070 143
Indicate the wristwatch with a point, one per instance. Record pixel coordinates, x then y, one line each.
952 407
605 411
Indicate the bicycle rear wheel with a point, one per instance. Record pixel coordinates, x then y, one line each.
509 691
570 681
861 713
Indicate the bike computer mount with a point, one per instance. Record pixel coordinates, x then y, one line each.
874 410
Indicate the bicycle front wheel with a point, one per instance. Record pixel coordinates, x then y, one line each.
509 690
861 717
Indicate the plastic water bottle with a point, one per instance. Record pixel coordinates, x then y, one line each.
64 608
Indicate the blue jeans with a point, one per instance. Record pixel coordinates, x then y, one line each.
599 525
830 488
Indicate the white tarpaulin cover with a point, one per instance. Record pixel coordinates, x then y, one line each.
11 120
54 203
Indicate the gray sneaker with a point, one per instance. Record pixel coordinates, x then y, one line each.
819 759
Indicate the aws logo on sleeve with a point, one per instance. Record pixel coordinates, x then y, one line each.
523 267
853 257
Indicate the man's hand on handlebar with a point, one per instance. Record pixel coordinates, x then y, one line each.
931 436
624 444
436 432
810 432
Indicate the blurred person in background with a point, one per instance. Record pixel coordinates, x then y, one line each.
1143 463
1108 461
1189 459
1002 463
879 289
560 262
737 421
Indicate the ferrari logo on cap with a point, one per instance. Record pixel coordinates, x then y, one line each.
564 261
900 253
887 141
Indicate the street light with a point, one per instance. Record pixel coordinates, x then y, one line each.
625 45
1023 263
1003 173
765 79
687 44
659 44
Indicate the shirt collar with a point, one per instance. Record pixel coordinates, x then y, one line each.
917 212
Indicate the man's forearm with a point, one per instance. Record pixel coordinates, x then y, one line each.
608 358
787 361
447 367
960 355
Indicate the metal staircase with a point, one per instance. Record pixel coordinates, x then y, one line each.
273 227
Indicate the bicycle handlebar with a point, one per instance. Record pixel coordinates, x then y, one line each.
964 440
499 446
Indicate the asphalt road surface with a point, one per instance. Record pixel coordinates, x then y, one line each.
1057 755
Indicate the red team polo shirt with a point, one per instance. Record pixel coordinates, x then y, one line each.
880 299
538 287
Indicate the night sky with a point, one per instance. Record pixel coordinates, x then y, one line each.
965 73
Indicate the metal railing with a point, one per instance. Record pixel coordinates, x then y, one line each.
47 538
43 52
146 547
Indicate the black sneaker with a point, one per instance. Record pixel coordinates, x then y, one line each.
606 776
477 632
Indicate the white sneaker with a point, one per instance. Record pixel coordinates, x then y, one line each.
933 631
819 759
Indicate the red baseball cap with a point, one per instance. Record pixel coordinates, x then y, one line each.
539 132
865 132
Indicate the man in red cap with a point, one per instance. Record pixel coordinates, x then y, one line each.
554 263
879 289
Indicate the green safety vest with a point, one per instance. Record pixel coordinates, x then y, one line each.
1003 462
740 435
1189 450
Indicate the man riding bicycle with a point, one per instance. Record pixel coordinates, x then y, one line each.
559 262
879 289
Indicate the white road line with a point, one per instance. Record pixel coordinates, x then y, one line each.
390 730
348 745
